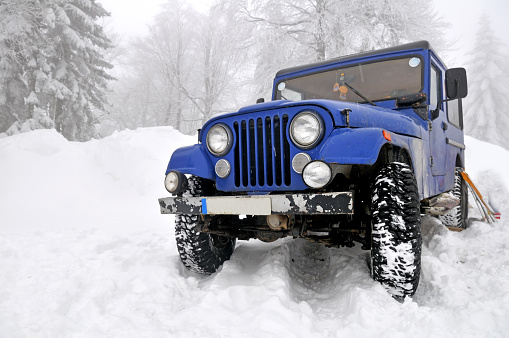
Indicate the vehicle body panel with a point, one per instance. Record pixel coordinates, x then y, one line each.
192 160
358 144
261 152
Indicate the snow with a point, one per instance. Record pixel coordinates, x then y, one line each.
84 252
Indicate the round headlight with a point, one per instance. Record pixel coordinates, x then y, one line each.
171 181
175 182
223 168
317 174
219 139
299 162
306 129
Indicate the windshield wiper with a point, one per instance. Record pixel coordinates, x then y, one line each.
359 94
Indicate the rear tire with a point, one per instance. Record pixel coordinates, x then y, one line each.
396 230
457 216
200 252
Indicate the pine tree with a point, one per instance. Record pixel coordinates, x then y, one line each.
79 75
487 105
53 51
20 33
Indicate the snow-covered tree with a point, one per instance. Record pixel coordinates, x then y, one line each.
309 23
160 72
140 96
204 64
487 105
187 68
79 73
294 32
223 45
20 33
330 28
53 69
384 23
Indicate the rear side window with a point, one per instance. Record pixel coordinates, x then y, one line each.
454 113
434 90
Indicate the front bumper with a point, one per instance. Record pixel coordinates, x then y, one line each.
335 203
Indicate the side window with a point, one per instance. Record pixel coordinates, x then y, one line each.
434 91
454 113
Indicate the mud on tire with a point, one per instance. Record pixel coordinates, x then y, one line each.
457 216
200 252
396 230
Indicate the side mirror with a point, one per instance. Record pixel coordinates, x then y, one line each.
260 100
456 83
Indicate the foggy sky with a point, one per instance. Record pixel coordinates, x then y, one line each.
131 17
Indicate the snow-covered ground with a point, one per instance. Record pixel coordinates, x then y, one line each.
84 252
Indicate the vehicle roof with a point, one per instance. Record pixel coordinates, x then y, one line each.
408 46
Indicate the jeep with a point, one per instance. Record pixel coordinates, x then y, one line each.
352 149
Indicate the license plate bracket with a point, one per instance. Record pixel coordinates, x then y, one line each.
233 205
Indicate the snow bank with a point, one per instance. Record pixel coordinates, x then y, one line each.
85 252
487 165
50 183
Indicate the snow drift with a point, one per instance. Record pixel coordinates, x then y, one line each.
85 252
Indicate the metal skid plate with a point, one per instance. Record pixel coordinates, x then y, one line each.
289 204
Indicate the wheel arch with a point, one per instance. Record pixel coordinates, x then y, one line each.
360 146
413 157
393 153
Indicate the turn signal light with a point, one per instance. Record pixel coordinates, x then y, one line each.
387 135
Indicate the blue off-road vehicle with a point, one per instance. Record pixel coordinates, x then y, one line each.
352 149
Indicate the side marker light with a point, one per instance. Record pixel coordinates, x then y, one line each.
387 135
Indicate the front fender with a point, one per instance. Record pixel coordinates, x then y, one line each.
357 146
191 160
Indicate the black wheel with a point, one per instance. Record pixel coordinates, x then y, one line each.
200 252
457 216
396 230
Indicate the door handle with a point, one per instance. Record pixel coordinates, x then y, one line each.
444 126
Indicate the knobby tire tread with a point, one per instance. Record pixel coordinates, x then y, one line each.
457 216
200 252
396 233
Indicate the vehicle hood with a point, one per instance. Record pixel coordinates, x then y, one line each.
401 121
404 121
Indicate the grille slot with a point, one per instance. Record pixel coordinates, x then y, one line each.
262 152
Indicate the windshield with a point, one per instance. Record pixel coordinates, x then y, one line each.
373 81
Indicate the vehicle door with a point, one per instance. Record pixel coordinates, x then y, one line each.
446 124
437 124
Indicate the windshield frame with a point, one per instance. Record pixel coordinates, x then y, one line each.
354 63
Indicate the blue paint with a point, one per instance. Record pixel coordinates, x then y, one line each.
204 206
192 160
261 153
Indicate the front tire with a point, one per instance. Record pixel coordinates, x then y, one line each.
457 216
200 252
396 230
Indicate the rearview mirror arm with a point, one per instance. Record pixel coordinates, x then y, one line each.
435 112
